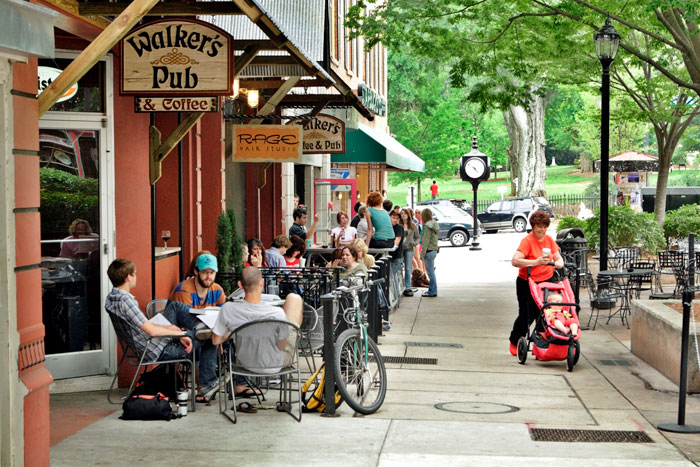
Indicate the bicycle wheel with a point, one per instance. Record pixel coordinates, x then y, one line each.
361 381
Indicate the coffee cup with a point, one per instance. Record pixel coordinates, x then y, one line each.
546 252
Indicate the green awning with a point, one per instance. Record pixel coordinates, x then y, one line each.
369 145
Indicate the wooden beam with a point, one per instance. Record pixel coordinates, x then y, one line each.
162 9
276 60
276 98
244 60
69 19
178 133
94 52
276 83
319 107
262 44
155 166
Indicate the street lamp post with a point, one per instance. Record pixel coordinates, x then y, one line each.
606 42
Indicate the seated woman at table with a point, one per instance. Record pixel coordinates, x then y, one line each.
295 252
349 260
336 259
380 231
256 254
81 241
361 247
343 234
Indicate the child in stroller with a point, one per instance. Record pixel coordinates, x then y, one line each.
556 335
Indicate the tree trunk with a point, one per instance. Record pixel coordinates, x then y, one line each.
527 143
512 154
665 149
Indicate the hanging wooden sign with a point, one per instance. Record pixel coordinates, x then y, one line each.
177 57
324 134
176 104
267 143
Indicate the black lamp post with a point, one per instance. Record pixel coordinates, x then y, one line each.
606 42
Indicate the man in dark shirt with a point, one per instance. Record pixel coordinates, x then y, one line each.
387 204
397 255
356 220
299 225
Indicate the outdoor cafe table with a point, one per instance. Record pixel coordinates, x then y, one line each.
622 277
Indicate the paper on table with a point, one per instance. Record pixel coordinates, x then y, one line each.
205 311
160 319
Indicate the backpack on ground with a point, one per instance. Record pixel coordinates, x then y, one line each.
145 407
315 400
164 379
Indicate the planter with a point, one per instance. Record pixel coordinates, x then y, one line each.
656 339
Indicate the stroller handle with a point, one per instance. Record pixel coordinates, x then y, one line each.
548 264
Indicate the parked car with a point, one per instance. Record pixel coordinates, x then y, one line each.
512 212
456 225
460 203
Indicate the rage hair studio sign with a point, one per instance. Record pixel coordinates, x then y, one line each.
267 143
177 57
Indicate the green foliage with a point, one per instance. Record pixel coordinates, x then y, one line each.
55 180
685 178
570 222
223 241
236 247
683 221
593 190
626 227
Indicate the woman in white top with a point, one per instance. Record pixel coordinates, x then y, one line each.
343 234
362 225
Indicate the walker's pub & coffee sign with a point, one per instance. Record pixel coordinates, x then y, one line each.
324 134
176 104
267 143
177 57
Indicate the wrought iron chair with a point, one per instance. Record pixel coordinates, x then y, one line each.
639 283
622 256
670 262
253 351
156 306
310 334
133 356
603 296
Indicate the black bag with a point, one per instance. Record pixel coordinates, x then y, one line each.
144 407
163 379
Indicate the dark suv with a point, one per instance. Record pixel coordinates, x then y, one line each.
512 212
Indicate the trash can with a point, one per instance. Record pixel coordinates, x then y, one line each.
570 241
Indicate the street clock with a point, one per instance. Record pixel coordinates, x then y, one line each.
474 166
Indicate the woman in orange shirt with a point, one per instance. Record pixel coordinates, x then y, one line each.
530 254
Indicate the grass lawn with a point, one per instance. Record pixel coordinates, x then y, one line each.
560 179
676 174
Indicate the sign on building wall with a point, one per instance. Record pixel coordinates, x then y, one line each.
324 134
177 57
371 100
176 104
267 143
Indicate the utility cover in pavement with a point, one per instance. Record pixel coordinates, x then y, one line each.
476 407
616 362
432 344
589 436
410 360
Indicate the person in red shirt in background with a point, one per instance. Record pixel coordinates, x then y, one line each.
530 254
434 189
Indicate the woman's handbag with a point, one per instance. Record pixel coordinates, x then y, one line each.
145 407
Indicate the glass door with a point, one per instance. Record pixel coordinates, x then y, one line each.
76 219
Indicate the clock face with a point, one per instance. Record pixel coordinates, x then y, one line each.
474 167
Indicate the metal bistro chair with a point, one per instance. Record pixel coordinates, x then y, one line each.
252 351
310 334
622 256
603 296
156 306
670 262
125 334
639 283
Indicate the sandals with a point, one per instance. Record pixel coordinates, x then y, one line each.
248 393
246 407
204 399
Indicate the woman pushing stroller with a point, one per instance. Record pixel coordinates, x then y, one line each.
535 251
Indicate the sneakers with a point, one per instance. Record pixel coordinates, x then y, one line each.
386 324
513 349
202 332
408 293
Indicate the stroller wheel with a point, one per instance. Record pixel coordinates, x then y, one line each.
522 350
571 357
577 351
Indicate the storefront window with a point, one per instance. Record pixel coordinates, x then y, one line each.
89 96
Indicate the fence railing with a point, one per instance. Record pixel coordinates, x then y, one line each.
562 205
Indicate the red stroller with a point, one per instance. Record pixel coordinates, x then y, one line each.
551 344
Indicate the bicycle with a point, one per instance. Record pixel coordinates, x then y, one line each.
359 367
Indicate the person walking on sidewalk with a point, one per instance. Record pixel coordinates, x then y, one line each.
429 249
434 189
536 250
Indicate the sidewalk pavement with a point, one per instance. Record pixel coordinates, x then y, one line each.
474 407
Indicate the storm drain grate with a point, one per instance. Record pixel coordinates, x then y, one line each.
410 360
589 436
432 344
616 362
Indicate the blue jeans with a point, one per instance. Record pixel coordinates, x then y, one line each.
179 315
395 269
430 271
408 267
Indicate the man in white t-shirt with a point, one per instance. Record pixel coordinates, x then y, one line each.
262 357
